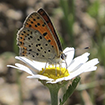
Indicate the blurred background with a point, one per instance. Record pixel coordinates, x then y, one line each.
79 24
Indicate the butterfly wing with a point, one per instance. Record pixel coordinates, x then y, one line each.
36 27
49 23
33 45
36 22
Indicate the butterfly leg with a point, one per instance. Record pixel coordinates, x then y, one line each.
56 69
60 66
45 68
66 66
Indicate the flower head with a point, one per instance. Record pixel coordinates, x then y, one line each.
53 74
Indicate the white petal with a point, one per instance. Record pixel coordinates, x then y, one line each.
22 67
74 74
78 62
69 52
12 66
88 65
31 63
91 69
41 77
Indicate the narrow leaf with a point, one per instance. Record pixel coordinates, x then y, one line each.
70 90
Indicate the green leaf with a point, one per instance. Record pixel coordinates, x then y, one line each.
70 90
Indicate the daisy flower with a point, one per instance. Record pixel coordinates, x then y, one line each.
54 77
57 74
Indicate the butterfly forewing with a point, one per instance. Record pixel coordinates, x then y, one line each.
49 23
36 22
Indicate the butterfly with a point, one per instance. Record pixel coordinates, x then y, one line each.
37 39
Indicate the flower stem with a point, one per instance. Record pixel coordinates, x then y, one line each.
54 88
54 96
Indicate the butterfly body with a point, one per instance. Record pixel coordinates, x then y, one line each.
38 40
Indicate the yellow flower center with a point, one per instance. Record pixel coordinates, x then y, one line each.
54 73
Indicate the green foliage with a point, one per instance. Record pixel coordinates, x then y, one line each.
70 90
68 11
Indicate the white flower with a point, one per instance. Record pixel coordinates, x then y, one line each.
54 74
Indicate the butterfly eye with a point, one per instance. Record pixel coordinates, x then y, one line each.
63 56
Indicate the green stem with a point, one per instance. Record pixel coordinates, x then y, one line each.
54 96
54 88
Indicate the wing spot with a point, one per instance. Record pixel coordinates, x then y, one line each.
30 49
34 19
24 31
35 25
31 32
33 56
38 24
28 38
49 40
44 51
41 48
43 25
30 25
47 21
37 54
48 50
38 49
38 45
46 44
40 37
20 37
38 18
31 37
21 43
44 34
32 22
29 45
42 55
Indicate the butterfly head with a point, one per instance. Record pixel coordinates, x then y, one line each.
63 56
